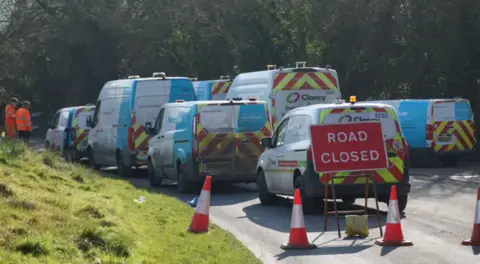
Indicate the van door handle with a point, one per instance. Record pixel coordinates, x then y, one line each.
159 137
280 156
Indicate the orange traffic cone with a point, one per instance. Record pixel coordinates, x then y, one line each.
199 222
298 234
393 230
475 240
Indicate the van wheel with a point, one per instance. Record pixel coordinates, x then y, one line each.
402 202
449 162
152 175
182 183
266 198
308 203
91 160
348 201
123 171
68 156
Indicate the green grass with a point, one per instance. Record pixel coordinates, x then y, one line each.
55 212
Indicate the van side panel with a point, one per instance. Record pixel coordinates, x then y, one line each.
413 119
124 118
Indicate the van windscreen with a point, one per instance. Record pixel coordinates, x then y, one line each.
388 123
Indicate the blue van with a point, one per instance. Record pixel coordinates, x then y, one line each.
190 140
117 136
68 132
212 89
444 127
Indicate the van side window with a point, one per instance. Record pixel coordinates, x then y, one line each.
55 120
170 119
95 114
158 123
63 122
279 137
298 129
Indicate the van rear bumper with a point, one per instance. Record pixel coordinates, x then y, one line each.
422 152
231 177
314 188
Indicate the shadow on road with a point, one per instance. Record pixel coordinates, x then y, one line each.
262 215
357 245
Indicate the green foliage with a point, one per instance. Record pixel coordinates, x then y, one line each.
380 48
50 216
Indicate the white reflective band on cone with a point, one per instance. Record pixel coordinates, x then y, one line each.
203 204
477 214
297 217
393 216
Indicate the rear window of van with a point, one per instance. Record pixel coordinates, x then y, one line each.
388 123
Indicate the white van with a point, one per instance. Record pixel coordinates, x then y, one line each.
117 136
285 89
287 162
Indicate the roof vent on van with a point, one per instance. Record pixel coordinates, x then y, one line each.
237 98
271 67
159 75
193 79
133 76
252 99
281 68
225 77
338 101
300 64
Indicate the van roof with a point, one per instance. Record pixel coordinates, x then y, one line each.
317 107
75 107
193 103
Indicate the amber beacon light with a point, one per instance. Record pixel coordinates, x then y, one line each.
353 99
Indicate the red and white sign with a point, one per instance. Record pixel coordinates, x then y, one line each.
348 147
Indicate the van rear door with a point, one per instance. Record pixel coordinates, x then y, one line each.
150 96
79 127
396 150
252 126
220 90
302 87
453 126
216 138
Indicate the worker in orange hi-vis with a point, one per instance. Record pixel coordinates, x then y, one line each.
24 122
10 118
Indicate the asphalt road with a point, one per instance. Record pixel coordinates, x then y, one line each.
439 216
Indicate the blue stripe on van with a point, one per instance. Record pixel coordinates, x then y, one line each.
203 90
124 116
462 111
182 89
413 120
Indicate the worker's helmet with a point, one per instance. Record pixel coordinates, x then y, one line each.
14 100
25 103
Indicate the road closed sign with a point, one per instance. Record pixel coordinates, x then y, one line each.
348 147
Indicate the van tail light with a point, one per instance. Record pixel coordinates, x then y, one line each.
194 139
74 134
309 153
131 144
429 129
406 151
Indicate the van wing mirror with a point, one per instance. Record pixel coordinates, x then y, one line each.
148 128
266 142
89 121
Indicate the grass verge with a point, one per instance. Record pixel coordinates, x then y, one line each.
55 212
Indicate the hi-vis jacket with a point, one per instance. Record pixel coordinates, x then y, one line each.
23 120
